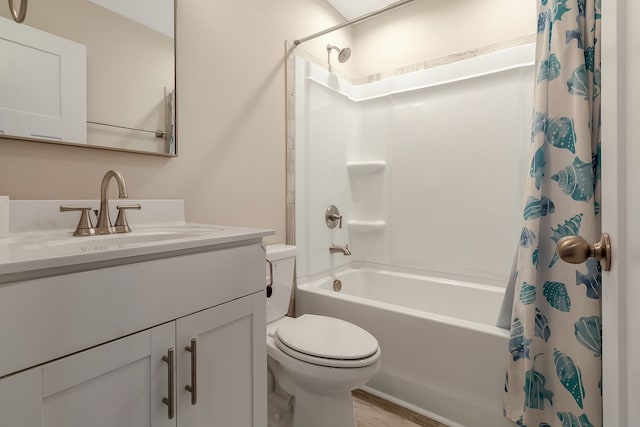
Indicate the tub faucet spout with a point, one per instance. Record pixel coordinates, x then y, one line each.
104 222
344 250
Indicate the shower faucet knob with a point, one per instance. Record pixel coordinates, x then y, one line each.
332 217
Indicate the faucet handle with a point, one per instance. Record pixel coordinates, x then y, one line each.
121 225
85 226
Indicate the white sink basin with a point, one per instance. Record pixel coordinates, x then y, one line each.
115 241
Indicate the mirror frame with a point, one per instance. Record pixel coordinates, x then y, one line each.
125 150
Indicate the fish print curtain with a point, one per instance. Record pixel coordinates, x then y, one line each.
554 373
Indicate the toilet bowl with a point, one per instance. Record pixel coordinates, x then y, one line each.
314 361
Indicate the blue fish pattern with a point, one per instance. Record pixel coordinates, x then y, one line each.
559 9
582 9
570 420
578 82
592 280
549 69
557 295
537 167
574 34
535 208
569 375
576 180
588 332
527 237
542 326
527 293
543 18
535 392
560 132
518 344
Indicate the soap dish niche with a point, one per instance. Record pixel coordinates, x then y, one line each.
366 226
366 168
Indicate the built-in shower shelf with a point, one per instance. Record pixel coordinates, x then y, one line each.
365 226
366 168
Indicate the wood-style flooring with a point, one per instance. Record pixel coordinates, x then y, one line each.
373 411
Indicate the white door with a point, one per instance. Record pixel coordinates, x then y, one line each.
118 384
230 365
621 210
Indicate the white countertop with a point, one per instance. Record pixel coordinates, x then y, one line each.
41 250
40 241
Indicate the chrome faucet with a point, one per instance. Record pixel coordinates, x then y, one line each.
104 222
344 250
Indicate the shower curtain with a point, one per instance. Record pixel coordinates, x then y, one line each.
554 373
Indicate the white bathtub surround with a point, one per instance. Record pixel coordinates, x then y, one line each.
427 169
442 352
390 154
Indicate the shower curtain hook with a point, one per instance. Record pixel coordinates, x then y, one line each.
18 16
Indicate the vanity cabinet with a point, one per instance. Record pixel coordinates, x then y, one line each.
123 383
92 347
115 384
230 364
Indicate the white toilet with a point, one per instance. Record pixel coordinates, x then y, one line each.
317 360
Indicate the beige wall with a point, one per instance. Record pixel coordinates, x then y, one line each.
231 115
429 29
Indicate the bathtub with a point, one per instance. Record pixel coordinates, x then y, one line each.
441 353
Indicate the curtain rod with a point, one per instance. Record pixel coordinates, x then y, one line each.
352 21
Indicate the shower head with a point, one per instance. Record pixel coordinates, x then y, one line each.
343 54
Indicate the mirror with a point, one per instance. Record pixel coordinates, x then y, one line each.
98 73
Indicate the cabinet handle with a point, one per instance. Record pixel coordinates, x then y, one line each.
193 388
171 399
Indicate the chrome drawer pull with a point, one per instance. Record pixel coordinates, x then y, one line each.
171 399
193 388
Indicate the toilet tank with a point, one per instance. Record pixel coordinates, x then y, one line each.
282 258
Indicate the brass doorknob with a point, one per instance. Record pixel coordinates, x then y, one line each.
576 250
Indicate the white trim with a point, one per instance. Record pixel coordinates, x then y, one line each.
484 65
614 316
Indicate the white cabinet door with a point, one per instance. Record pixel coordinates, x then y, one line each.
21 399
230 365
43 82
118 384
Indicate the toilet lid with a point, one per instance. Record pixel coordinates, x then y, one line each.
327 338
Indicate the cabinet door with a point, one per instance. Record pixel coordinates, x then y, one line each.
118 384
230 365
21 399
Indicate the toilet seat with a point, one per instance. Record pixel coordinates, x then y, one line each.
327 341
